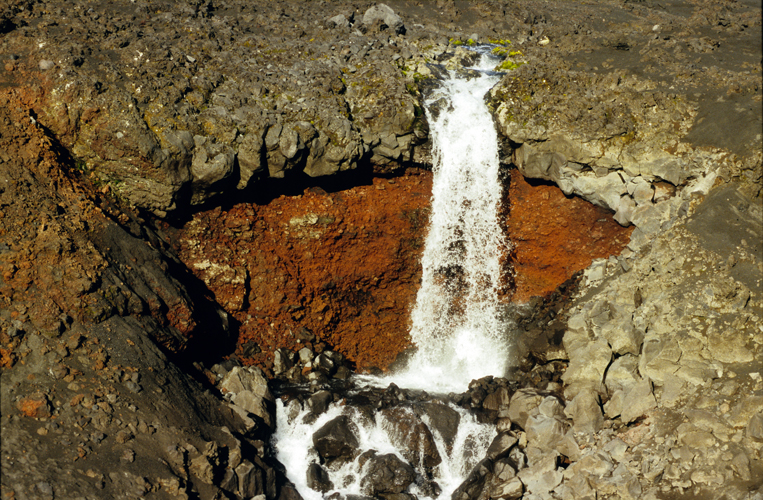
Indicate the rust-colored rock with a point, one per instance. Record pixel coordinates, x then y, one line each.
554 236
343 267
34 406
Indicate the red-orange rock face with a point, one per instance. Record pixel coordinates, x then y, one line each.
343 266
554 236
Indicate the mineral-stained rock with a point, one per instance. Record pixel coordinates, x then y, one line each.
555 236
335 265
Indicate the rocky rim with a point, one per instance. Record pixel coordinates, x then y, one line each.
149 150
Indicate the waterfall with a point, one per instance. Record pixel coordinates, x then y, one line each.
456 323
294 439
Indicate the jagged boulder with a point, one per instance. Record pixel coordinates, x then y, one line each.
336 439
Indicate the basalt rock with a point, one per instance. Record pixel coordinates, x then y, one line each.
387 474
336 439
172 107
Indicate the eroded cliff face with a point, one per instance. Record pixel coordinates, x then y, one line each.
342 269
555 236
318 268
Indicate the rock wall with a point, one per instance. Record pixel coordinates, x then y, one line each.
555 237
97 399
317 268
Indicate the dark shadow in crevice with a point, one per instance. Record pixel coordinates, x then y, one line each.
294 183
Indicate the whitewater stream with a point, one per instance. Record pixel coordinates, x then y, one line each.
456 322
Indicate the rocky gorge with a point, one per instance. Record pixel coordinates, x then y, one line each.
211 207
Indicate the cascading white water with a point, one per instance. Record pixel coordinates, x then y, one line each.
456 323
293 443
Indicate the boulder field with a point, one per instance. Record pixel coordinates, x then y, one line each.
202 202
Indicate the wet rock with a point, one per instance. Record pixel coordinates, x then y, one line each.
412 436
475 482
500 447
498 401
443 419
318 479
319 402
387 474
336 439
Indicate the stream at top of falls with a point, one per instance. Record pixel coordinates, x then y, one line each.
425 448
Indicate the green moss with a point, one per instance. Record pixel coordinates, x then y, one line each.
499 41
509 65
499 51
455 42
470 42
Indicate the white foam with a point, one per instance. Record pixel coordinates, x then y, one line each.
456 323
293 444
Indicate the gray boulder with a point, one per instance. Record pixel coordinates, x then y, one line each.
385 17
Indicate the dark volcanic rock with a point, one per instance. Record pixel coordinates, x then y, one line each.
336 439
318 479
387 474
442 418
412 436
